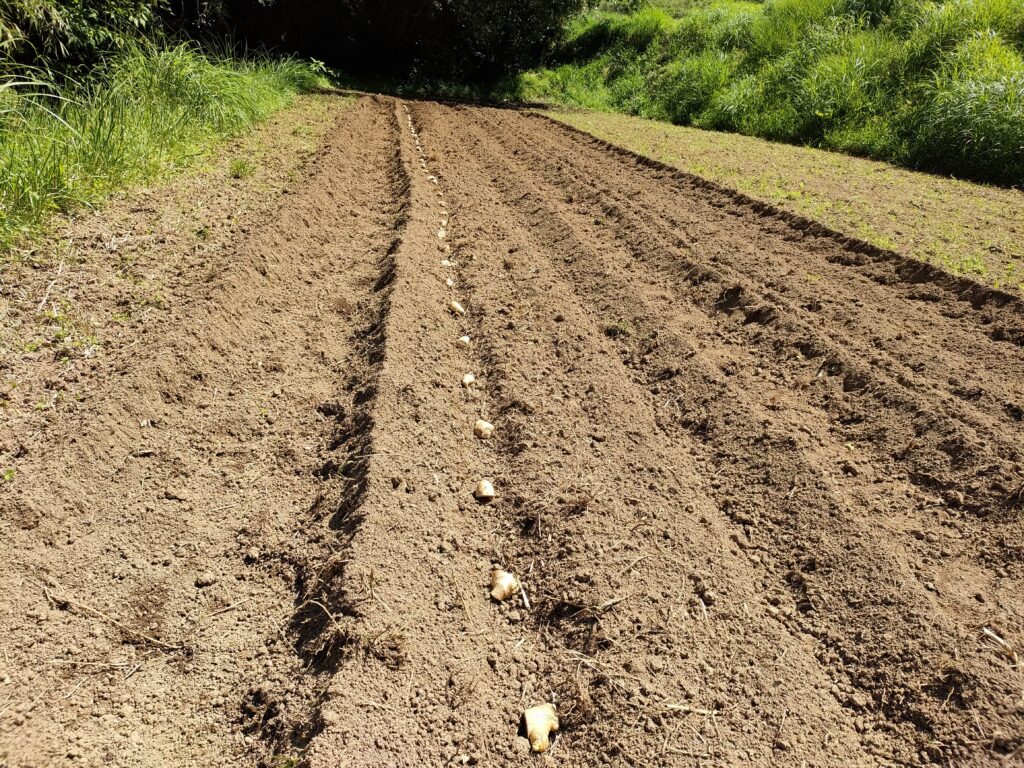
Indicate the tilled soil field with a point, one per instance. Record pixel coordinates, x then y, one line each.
761 485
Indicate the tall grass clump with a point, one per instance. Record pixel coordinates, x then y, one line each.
615 34
933 84
971 114
145 112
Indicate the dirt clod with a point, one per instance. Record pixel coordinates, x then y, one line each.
206 579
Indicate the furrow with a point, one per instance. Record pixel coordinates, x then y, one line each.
945 444
634 577
797 502
428 660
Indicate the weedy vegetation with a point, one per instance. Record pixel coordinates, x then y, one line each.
926 84
142 113
241 168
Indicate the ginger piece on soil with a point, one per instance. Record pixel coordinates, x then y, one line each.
457 309
484 491
483 429
469 380
464 342
503 585
541 721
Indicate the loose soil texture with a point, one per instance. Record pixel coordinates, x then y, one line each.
761 484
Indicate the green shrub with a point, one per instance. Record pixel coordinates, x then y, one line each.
844 81
784 23
629 91
582 86
685 87
637 32
602 33
694 33
77 30
870 12
730 107
934 30
873 137
734 24
721 25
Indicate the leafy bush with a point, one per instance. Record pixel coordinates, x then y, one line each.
581 85
783 24
71 30
686 86
971 118
872 12
615 34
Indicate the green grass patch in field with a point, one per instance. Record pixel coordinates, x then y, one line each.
144 113
931 84
241 168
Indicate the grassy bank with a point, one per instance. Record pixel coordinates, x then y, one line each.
963 227
931 85
143 114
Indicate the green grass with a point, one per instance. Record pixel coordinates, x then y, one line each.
241 168
144 114
930 84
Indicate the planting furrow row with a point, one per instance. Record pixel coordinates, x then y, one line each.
946 445
634 580
425 677
760 468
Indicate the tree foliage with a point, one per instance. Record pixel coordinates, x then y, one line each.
72 30
454 39
449 39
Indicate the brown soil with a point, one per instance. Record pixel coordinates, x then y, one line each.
967 228
761 484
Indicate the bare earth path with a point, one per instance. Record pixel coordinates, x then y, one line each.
762 486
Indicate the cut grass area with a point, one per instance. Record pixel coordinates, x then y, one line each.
965 228
143 115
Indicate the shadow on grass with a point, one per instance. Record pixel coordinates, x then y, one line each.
507 92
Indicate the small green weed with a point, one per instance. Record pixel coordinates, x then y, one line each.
155 299
620 328
241 168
